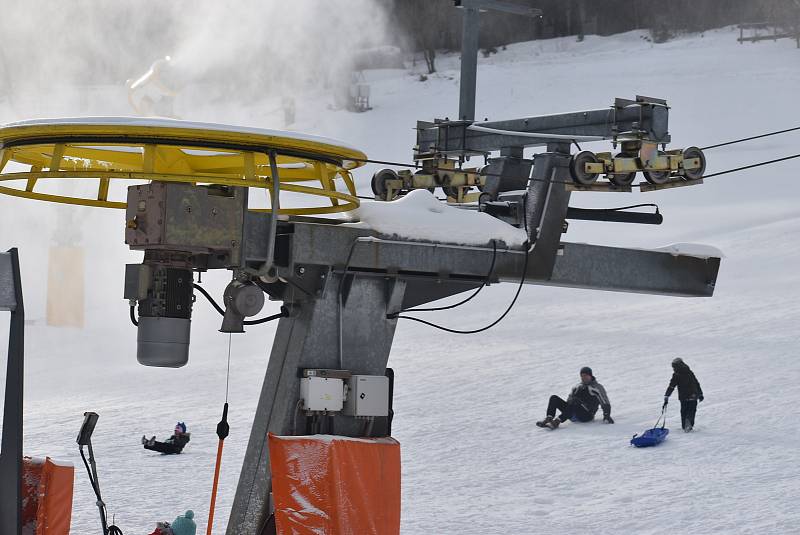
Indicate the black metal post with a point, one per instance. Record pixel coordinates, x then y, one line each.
11 449
100 504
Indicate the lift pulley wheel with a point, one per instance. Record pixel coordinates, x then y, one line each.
114 149
622 179
657 177
697 173
577 168
381 187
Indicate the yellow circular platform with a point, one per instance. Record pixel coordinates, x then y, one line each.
121 148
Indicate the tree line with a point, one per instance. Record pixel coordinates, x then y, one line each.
430 25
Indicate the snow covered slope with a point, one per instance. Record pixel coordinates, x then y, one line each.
473 462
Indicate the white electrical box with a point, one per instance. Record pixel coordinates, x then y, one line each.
367 395
322 394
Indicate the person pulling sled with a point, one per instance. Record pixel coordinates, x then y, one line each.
689 392
172 445
581 405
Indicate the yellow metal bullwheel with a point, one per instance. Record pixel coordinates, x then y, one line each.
113 149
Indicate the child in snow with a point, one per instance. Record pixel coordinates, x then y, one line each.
689 392
581 405
182 525
180 429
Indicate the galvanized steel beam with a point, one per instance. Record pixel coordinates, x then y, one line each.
11 442
309 338
645 117
8 300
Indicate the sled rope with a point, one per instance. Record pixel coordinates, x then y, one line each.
222 432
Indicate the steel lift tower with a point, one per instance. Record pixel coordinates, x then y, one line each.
342 286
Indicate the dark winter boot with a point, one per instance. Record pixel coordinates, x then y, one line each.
543 423
554 423
687 426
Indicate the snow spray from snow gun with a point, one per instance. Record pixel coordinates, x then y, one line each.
85 439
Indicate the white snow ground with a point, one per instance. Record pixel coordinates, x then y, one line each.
473 462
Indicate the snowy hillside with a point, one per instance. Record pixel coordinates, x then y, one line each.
473 461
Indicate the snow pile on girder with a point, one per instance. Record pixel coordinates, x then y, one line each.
696 250
420 216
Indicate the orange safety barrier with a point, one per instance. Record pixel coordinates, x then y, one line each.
46 496
334 485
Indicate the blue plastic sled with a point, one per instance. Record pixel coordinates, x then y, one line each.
651 437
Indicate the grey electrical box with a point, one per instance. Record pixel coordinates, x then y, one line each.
367 395
322 394
137 281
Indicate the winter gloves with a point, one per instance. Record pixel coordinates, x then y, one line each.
608 419
666 400
700 398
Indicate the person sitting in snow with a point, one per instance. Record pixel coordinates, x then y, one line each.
689 392
177 436
581 405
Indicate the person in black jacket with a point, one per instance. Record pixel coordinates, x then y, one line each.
689 392
581 405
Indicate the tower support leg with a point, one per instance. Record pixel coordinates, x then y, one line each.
309 338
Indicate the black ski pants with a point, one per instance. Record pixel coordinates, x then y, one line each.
568 410
688 410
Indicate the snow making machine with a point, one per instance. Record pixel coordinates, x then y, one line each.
320 454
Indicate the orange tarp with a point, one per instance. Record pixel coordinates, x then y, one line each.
46 496
330 485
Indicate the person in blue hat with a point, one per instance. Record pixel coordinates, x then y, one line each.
184 524
581 405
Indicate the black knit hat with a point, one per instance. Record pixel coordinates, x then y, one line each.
587 370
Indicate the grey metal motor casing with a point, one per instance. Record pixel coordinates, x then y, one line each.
246 299
163 342
183 217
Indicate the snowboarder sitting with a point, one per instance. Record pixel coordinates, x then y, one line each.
689 392
581 405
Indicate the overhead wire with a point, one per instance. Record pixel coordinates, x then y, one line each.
495 322
775 133
752 166
485 282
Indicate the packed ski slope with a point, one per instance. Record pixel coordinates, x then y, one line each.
473 462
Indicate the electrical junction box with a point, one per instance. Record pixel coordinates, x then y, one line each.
322 394
368 395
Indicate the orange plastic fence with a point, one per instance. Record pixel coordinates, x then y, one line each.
46 496
329 485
